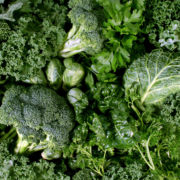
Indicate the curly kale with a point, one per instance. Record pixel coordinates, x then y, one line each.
84 35
159 17
170 110
84 174
42 118
36 37
4 31
170 115
170 38
19 167
133 171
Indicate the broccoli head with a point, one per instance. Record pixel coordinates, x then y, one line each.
84 35
42 118
85 4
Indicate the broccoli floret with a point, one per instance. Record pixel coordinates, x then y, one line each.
85 4
42 118
84 35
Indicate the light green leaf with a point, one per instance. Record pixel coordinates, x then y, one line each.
124 53
153 77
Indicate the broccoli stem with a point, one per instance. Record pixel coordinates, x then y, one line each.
34 147
71 48
72 32
70 53
22 145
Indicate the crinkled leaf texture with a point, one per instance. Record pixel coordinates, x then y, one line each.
151 78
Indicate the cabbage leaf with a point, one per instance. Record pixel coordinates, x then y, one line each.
151 78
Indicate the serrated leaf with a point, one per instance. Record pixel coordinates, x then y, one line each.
136 16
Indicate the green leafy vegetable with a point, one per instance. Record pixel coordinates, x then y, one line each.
160 15
123 23
85 174
34 40
125 124
4 31
133 171
78 99
19 167
42 118
54 73
84 35
73 74
170 38
151 78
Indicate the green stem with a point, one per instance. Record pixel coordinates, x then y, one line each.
21 146
149 164
148 153
138 113
9 135
2 81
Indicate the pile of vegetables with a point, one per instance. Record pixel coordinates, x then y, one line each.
90 89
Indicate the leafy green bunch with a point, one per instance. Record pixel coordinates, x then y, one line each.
19 167
162 23
152 89
120 29
34 38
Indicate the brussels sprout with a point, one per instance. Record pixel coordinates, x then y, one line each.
54 73
38 79
50 154
73 73
78 99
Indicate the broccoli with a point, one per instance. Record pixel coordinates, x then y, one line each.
85 4
84 35
42 118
